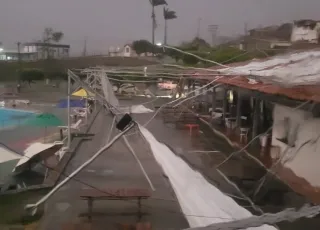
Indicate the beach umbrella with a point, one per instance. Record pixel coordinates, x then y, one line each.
82 93
74 103
44 120
85 94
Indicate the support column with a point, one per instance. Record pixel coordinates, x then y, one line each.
214 99
194 87
239 104
256 116
225 103
189 85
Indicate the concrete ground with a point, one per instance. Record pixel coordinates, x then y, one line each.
115 168
184 145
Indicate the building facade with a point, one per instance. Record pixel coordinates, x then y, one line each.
40 50
306 30
126 51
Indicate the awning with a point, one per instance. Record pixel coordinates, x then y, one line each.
36 153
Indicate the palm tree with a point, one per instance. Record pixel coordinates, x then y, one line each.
168 15
155 3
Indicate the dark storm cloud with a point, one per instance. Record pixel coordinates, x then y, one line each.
115 22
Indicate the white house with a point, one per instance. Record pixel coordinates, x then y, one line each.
126 51
305 30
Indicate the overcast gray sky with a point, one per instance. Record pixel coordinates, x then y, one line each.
116 22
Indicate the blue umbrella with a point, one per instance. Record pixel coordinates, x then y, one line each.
74 103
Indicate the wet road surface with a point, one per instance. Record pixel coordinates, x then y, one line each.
115 168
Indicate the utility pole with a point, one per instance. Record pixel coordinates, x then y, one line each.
153 16
245 41
198 28
85 48
19 60
165 31
213 30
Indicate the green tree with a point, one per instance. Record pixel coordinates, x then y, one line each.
142 46
31 75
50 36
190 60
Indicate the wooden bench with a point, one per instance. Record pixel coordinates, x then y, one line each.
114 194
137 226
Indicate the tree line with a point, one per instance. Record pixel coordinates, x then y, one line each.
222 54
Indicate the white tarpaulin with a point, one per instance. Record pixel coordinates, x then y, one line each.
201 202
301 68
108 90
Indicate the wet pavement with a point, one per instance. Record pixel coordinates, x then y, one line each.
241 170
115 168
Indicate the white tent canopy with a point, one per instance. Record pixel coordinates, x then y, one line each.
201 202
37 149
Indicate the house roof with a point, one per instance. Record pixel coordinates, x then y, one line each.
306 23
46 44
295 75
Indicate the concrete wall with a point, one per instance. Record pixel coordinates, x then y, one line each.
301 153
302 33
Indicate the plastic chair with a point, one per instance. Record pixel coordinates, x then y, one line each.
244 134
191 126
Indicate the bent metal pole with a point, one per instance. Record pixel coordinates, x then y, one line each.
32 208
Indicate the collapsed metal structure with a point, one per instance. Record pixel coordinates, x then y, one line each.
97 82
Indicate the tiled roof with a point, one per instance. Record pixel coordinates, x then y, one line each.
295 75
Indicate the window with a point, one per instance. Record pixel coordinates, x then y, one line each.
127 49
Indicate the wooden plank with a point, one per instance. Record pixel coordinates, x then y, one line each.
116 193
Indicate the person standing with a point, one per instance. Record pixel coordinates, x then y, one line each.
18 88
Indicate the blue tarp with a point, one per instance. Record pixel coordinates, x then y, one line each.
73 103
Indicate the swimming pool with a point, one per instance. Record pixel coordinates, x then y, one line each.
13 117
